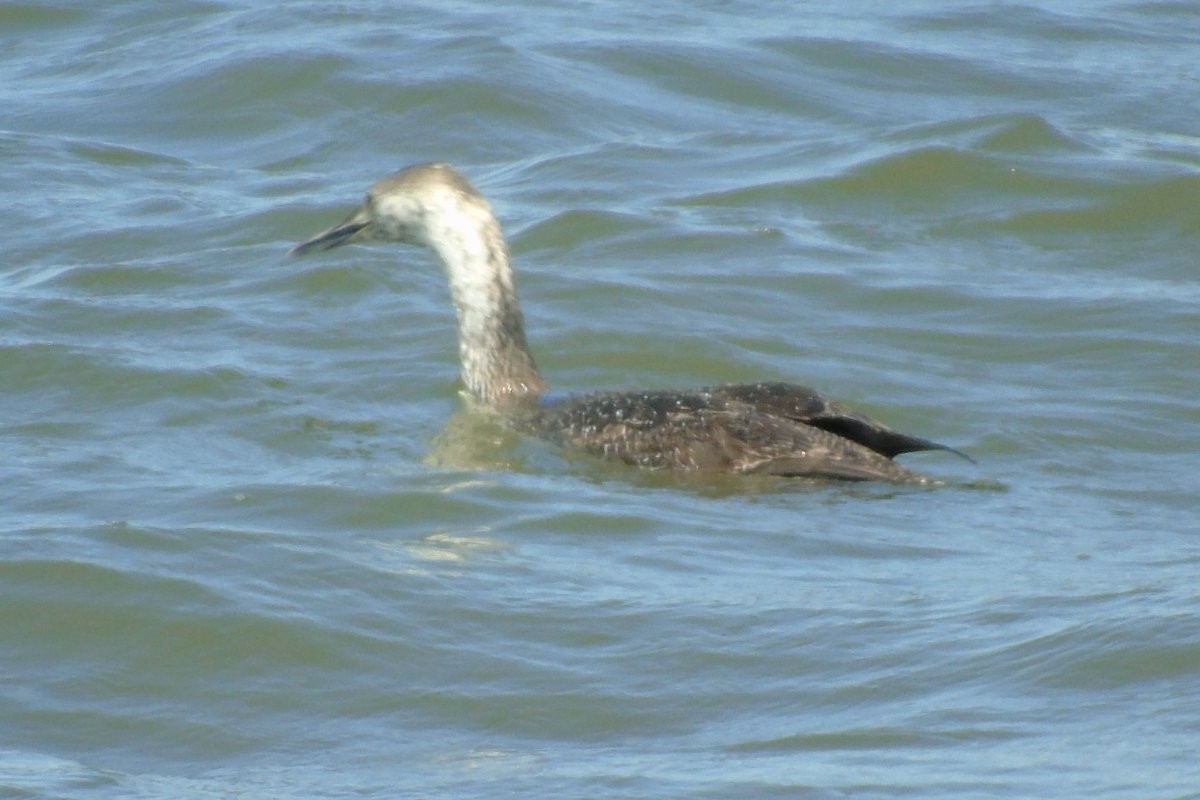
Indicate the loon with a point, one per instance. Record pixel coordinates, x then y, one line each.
761 428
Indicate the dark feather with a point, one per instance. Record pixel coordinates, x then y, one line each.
765 428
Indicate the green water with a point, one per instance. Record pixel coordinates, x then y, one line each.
250 544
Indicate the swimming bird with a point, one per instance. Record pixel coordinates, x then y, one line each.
761 428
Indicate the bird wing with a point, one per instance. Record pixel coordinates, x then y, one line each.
771 445
801 404
712 430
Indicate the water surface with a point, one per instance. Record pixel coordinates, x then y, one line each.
250 544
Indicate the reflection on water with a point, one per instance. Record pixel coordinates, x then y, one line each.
475 440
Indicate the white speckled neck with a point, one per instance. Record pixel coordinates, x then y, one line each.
460 227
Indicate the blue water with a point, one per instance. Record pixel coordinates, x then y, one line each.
252 544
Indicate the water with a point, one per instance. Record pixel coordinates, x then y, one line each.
252 546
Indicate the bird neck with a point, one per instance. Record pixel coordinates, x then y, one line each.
497 366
